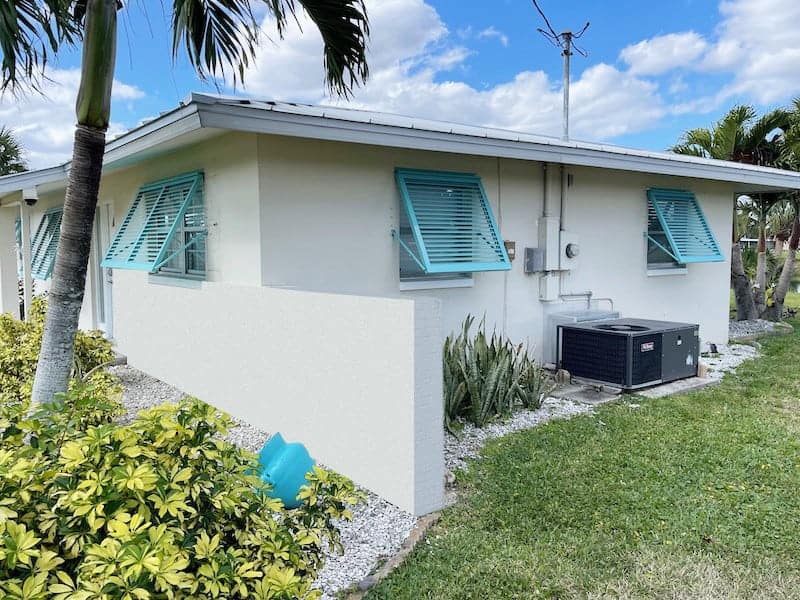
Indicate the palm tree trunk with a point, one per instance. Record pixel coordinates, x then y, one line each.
740 282
775 312
93 110
742 290
760 296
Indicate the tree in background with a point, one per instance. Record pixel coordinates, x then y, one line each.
220 38
742 136
12 155
787 212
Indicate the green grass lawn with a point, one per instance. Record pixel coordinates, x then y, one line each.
693 496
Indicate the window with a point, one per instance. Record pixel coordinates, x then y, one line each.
164 231
447 229
45 244
677 231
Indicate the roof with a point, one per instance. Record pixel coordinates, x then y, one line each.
214 113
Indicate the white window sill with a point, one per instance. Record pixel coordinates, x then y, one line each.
435 284
667 272
174 281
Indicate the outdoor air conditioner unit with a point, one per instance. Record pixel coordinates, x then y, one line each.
629 353
550 346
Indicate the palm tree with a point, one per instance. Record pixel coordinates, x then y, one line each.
12 159
740 136
787 215
779 223
220 38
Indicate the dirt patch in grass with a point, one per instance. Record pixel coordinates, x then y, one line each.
697 577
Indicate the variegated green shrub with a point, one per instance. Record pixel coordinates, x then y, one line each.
162 508
19 352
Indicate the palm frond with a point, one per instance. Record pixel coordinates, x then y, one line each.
345 31
12 155
756 135
221 36
729 131
696 142
780 218
218 35
30 32
689 150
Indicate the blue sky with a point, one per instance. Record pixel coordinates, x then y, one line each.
653 70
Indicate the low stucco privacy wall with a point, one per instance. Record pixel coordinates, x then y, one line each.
357 379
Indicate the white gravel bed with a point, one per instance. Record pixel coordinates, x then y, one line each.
740 329
376 532
140 392
728 357
471 439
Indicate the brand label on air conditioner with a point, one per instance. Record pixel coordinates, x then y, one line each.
648 347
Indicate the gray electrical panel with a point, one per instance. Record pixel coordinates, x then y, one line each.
534 260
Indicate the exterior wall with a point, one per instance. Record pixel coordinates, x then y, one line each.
609 213
356 379
302 326
328 209
303 364
231 197
9 295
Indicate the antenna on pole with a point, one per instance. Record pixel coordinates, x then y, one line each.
566 42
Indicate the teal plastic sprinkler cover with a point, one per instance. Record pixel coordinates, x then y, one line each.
284 467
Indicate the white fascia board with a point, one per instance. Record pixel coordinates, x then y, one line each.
31 179
163 129
276 122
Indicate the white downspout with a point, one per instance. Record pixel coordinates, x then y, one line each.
25 223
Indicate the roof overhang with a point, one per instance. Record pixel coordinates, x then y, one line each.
202 116
495 143
171 129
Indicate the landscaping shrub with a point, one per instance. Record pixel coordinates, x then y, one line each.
486 376
19 352
159 508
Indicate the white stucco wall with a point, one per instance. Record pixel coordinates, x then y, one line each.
357 379
302 326
343 203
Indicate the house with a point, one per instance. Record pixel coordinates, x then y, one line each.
300 266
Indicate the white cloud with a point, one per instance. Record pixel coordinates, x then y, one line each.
663 53
755 48
758 43
492 32
44 122
411 53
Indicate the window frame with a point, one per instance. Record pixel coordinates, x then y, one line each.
417 224
682 222
161 232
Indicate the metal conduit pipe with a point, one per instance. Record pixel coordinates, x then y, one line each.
564 191
548 197
577 296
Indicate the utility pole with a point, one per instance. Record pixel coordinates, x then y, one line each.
566 39
566 42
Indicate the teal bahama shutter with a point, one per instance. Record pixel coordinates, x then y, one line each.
688 235
45 244
452 228
144 239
